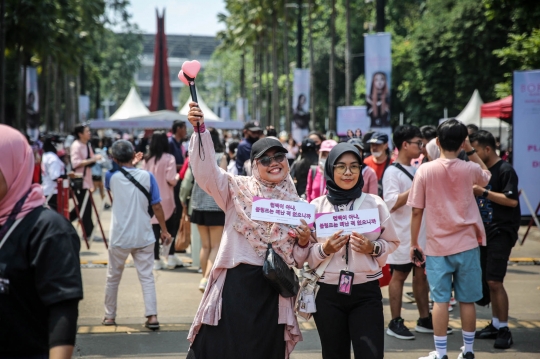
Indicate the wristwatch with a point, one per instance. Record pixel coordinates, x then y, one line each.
471 152
376 249
485 194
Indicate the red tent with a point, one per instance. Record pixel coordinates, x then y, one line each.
501 109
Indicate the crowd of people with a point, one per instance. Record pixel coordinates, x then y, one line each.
447 202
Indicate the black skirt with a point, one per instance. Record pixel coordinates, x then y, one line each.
208 218
248 327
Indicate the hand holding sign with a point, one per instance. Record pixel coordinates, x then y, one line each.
335 243
361 244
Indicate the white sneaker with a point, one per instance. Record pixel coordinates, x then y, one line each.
173 262
453 301
450 308
202 284
158 264
434 355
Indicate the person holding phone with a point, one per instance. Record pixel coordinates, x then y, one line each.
349 301
241 315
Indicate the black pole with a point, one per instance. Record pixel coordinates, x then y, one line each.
299 35
380 16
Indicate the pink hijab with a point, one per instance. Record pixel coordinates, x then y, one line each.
243 189
17 166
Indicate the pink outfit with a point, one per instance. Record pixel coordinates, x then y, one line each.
17 167
316 187
371 185
165 173
444 189
241 241
365 267
78 153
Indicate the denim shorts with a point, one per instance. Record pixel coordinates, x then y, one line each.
463 268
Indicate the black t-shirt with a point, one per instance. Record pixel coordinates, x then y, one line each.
43 268
503 180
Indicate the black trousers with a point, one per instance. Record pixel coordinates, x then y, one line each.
358 318
87 215
52 203
157 231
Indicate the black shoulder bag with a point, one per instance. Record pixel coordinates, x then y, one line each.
141 188
282 278
400 167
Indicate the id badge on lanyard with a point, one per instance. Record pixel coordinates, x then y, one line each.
346 278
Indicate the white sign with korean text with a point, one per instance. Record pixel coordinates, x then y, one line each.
360 221
287 212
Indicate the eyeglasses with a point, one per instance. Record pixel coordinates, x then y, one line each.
267 160
341 169
419 143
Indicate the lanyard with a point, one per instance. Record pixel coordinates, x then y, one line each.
340 209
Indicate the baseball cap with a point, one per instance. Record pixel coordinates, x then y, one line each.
378 138
327 145
264 144
252 126
356 142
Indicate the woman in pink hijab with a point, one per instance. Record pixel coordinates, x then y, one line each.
40 276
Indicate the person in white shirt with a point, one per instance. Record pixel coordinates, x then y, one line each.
231 149
52 168
397 181
131 230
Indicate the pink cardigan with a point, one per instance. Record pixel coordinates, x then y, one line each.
234 248
165 173
365 267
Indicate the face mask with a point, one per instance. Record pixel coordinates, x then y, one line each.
376 154
322 162
252 139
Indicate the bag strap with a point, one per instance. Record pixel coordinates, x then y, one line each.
400 167
322 267
136 183
313 172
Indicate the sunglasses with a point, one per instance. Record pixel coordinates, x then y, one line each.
267 160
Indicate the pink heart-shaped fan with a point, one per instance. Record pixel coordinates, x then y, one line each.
191 68
182 78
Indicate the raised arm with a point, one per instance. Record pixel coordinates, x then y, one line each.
208 175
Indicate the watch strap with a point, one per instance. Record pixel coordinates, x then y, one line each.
471 152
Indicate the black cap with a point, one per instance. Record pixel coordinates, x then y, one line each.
252 126
264 144
378 138
356 142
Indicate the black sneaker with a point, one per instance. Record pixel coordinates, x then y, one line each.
489 332
397 329
468 355
409 296
425 325
504 339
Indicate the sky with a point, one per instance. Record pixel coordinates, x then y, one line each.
183 17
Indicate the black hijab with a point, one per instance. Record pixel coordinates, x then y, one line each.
337 195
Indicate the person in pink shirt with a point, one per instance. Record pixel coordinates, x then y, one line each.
371 184
162 165
442 189
316 185
82 159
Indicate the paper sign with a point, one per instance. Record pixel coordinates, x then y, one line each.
360 221
287 212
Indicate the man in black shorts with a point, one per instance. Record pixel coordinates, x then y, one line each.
499 206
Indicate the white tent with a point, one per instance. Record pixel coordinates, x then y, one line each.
471 115
131 107
208 114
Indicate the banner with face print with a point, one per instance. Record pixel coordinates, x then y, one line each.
301 115
32 102
526 147
378 70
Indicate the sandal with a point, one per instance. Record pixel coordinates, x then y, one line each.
108 322
151 326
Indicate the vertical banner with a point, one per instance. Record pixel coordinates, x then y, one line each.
225 113
241 109
378 70
32 103
526 127
301 115
84 108
352 121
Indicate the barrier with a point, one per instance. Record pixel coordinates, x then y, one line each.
534 215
